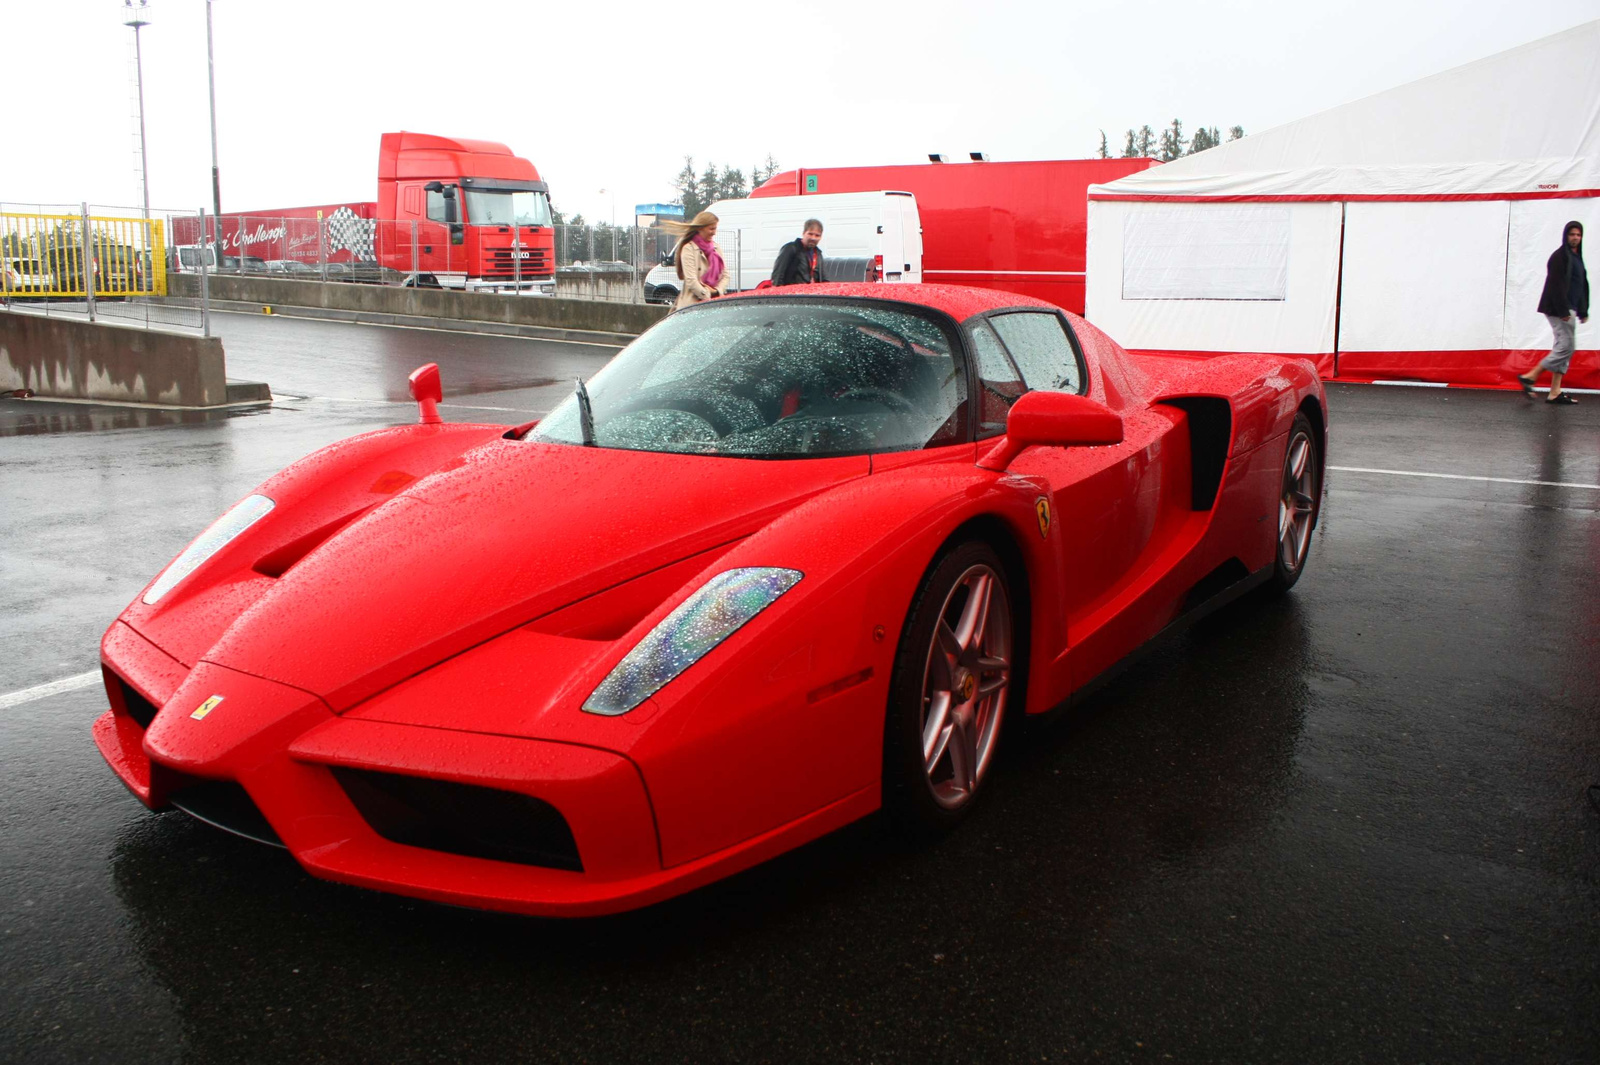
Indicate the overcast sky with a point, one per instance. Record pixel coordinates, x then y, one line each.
613 95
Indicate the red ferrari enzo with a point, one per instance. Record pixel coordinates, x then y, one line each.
787 559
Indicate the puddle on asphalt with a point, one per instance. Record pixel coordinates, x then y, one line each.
32 417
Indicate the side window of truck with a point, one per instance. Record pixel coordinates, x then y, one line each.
999 383
1039 344
436 207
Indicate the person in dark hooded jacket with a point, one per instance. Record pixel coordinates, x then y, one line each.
1566 293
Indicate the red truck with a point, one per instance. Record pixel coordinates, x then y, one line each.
450 212
1022 227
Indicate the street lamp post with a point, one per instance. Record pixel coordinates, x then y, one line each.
136 13
211 84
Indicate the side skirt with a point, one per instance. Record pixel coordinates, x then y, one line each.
1196 613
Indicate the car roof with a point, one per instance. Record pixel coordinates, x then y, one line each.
958 301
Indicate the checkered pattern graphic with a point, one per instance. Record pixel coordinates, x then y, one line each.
347 230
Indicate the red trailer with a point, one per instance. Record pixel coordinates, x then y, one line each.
1022 227
450 212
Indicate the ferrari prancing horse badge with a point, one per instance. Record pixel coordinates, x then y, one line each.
1041 509
206 707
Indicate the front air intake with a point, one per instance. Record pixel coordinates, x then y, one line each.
464 819
226 805
139 708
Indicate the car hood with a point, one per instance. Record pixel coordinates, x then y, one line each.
507 533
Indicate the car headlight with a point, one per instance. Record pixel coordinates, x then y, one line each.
240 517
702 621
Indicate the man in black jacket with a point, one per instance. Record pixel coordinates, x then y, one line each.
1566 293
800 261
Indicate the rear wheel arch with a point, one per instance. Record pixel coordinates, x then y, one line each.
1312 409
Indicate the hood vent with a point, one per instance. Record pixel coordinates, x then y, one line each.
277 563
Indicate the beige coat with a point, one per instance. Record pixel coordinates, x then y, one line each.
694 264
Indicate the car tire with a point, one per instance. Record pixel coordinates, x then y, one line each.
949 691
1299 504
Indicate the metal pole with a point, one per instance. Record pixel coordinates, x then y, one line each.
205 280
88 263
415 263
144 161
322 246
516 253
211 83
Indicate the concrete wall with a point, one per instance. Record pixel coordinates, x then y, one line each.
600 282
555 313
74 359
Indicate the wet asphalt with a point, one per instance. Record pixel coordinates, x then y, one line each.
1348 825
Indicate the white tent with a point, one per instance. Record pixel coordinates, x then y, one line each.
1399 236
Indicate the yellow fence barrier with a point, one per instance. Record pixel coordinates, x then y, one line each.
42 255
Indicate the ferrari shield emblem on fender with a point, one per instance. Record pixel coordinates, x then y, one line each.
206 707
1041 510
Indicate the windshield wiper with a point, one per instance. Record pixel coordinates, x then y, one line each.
585 414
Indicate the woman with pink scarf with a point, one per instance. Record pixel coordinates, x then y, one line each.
700 266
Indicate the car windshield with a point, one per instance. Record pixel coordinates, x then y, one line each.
503 207
776 378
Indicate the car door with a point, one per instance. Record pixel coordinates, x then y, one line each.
1115 506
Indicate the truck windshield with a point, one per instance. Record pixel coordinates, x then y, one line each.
505 207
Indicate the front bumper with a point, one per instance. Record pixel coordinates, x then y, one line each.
292 758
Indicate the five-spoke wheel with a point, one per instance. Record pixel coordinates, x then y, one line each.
950 688
1298 500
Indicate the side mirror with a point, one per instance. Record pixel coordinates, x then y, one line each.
1053 419
427 390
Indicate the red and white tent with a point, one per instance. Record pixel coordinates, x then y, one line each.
1401 236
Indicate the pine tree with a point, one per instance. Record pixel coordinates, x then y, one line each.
730 186
1235 132
1146 146
1172 141
1130 150
709 186
1105 150
1204 138
688 192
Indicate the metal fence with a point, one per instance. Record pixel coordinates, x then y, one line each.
54 253
90 261
129 261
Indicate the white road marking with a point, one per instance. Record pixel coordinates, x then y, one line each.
1463 477
54 687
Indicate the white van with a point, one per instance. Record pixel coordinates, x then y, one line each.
874 236
185 258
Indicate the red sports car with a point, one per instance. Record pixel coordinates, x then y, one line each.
787 559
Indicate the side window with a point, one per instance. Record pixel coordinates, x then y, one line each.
999 383
1039 344
435 206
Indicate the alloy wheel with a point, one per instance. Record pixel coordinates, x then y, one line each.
964 685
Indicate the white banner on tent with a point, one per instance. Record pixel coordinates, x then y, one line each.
1201 251
1424 276
1536 230
1300 321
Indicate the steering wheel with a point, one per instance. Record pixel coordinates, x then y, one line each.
883 396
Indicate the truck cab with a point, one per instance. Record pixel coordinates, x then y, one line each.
463 214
